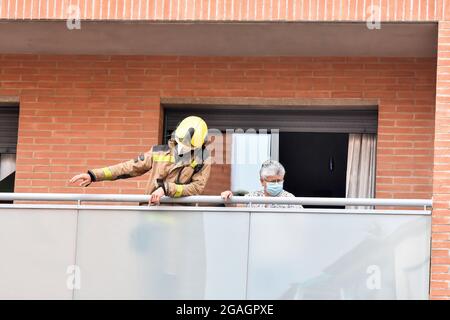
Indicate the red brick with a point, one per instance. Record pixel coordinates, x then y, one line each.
91 111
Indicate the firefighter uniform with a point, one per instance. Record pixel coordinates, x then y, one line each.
178 175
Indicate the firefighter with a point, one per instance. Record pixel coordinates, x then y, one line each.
180 168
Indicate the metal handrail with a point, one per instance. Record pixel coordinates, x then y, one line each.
10 196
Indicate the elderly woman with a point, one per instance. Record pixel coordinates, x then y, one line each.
272 177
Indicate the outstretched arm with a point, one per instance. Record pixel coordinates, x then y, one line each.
131 168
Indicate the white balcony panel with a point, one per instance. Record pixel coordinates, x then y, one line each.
188 252
339 256
37 246
162 255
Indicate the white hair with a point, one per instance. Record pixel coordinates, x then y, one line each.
271 168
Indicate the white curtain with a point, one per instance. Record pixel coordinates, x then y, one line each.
361 161
248 152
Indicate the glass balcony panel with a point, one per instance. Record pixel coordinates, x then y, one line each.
339 256
37 249
162 255
116 252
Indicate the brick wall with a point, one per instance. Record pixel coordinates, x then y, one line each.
78 112
440 257
228 10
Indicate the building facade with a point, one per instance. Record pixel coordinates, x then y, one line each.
94 80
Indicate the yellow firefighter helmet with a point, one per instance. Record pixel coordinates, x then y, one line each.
191 132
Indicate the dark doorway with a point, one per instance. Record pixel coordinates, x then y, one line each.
9 123
315 163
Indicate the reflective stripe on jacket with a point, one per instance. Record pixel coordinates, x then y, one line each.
181 177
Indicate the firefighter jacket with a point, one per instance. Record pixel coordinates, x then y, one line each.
178 175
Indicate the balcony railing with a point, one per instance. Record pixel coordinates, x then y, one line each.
81 251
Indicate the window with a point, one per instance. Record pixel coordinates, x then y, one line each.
313 144
9 120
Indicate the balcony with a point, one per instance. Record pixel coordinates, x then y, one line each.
98 251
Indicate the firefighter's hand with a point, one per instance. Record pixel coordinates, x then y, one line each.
155 197
83 178
226 195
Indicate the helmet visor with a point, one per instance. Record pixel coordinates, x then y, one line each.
181 147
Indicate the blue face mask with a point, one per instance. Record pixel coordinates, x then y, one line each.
274 188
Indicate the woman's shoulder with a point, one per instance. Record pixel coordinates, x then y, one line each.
286 194
258 193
